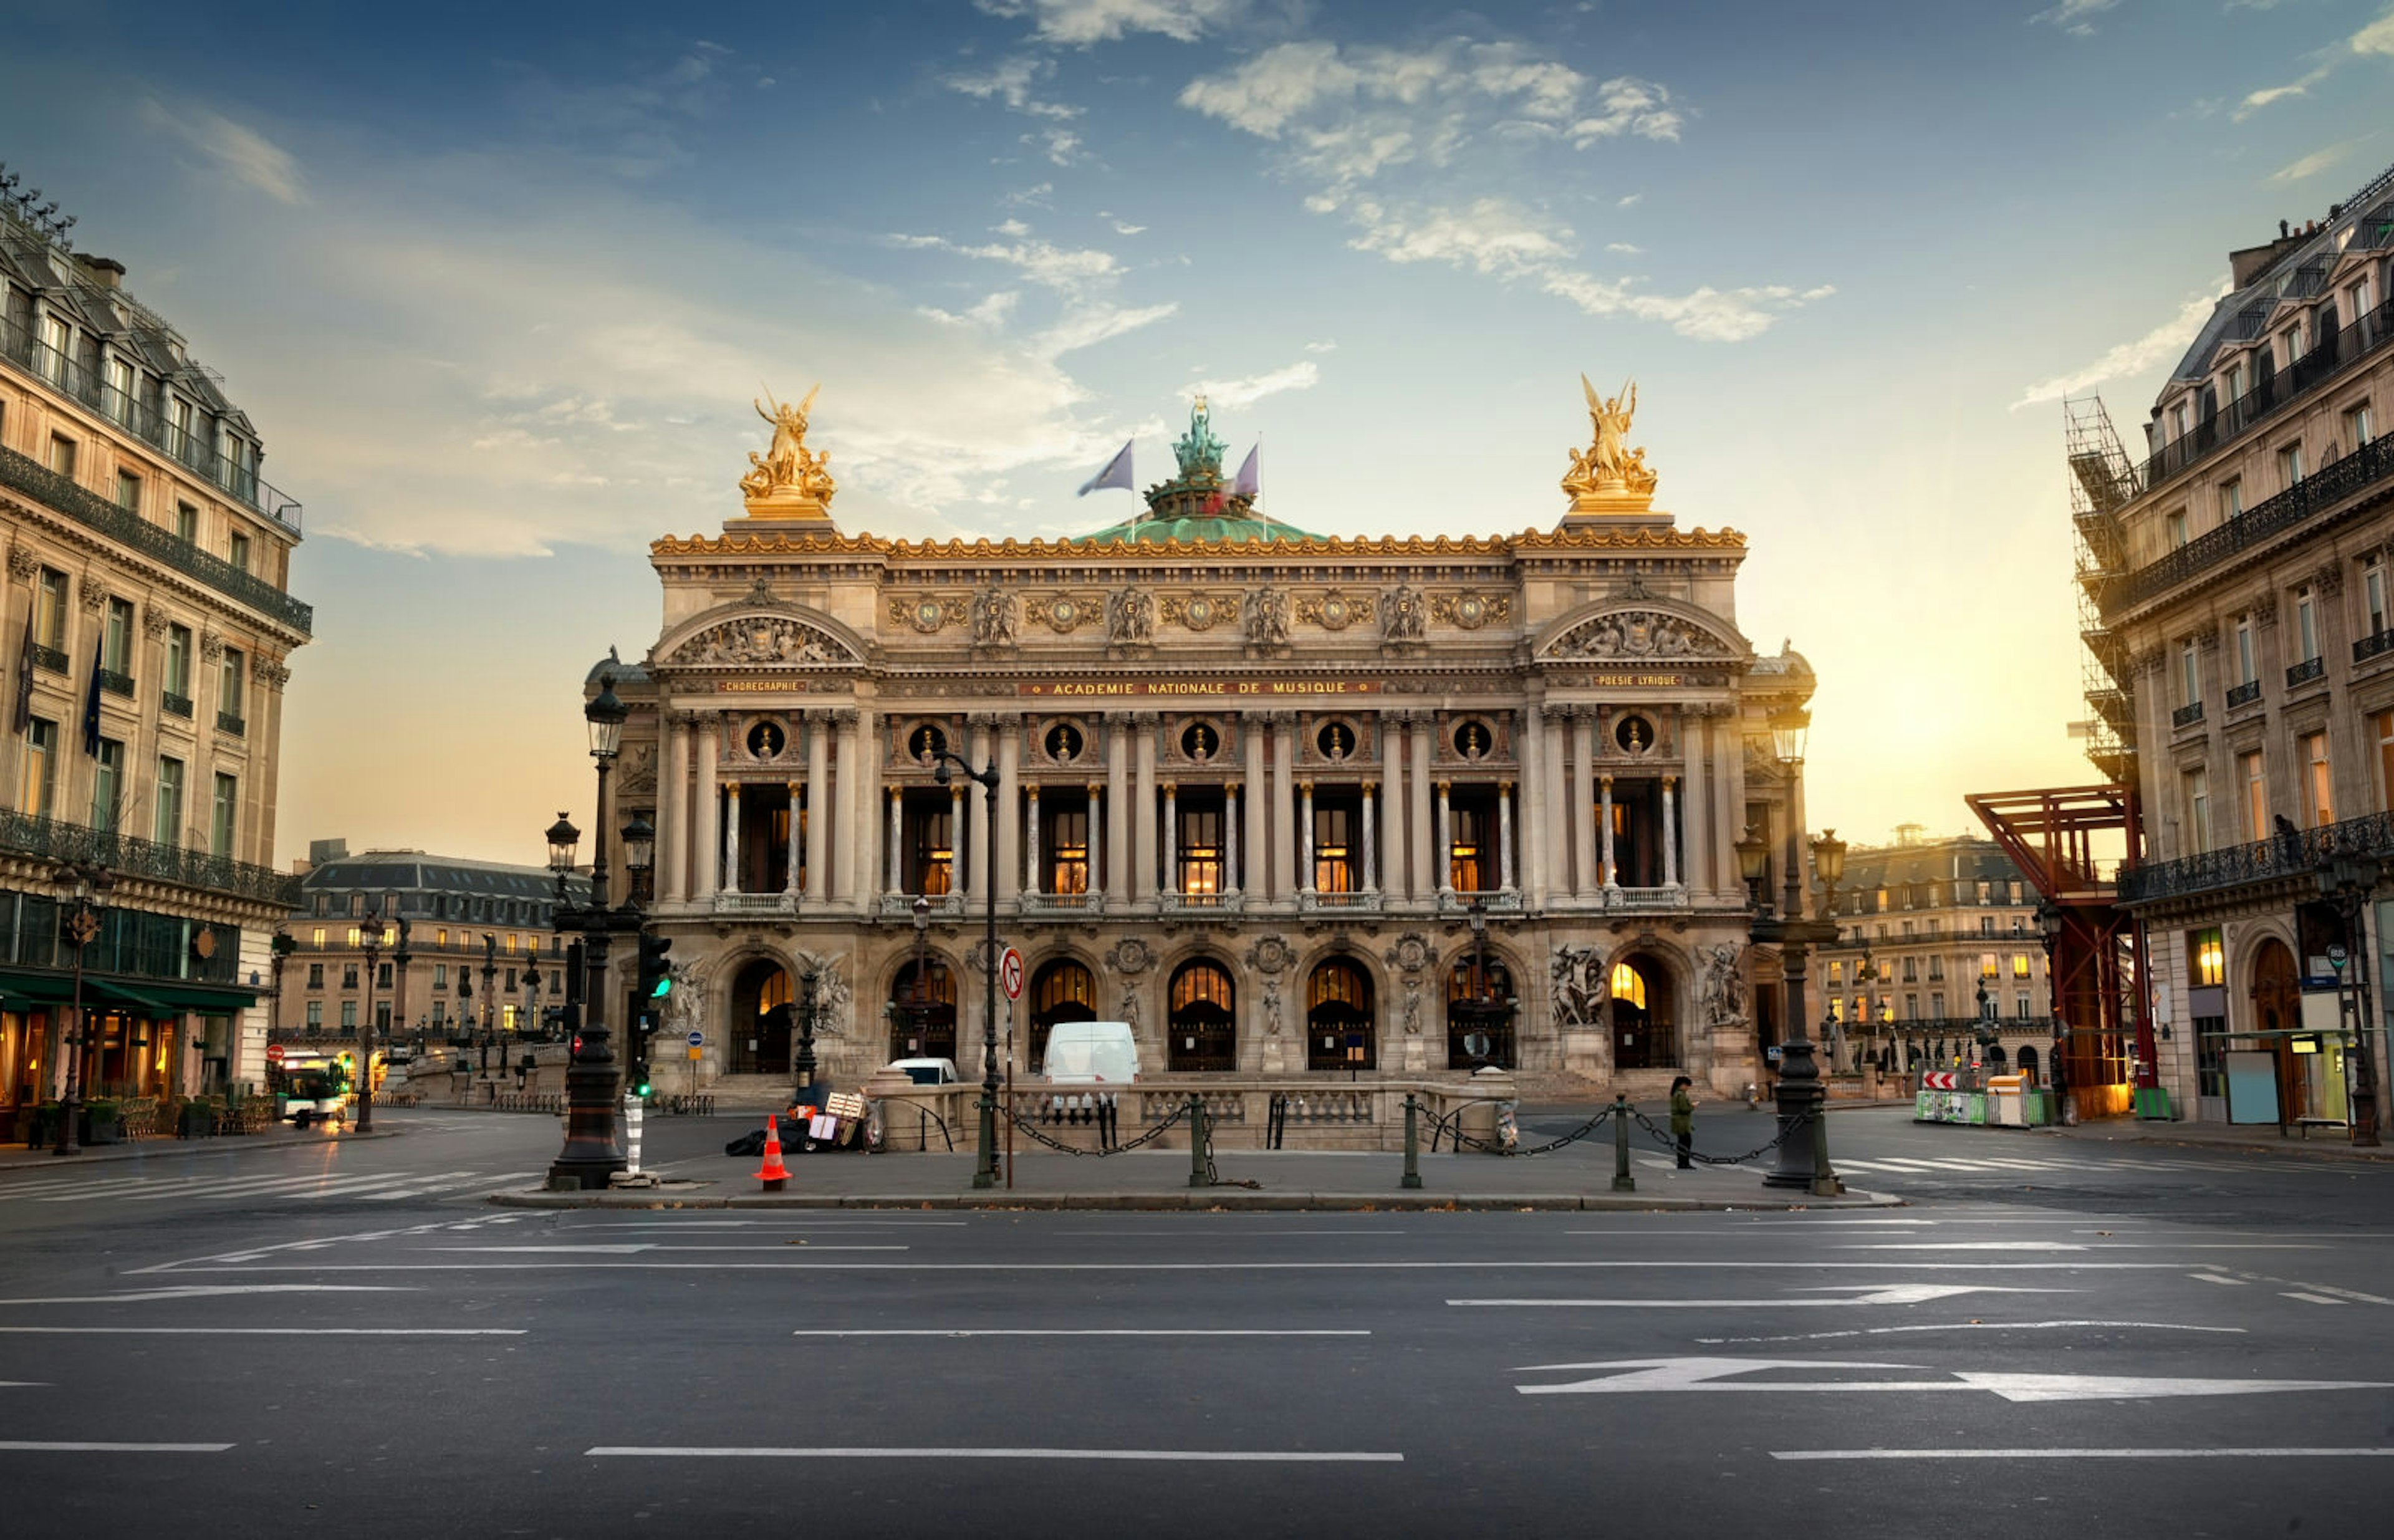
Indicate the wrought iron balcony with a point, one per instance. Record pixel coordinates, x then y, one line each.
116 684
235 477
179 705
2187 715
2289 854
2374 645
2305 671
227 722
2330 486
88 508
50 658
2335 352
2244 694
50 839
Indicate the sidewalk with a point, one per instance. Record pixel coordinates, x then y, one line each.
1158 1180
2324 1144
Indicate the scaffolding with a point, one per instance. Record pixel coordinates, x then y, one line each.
2103 482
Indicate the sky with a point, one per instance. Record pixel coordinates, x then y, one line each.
498 283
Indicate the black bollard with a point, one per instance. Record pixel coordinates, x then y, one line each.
1413 1146
1197 1140
1621 1180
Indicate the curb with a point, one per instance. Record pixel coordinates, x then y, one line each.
2256 1146
1196 1199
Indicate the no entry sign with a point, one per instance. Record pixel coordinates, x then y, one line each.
1010 973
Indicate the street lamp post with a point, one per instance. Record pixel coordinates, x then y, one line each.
370 939
1802 1162
2347 877
985 1164
2050 923
920 1011
804 1067
591 1156
490 990
89 880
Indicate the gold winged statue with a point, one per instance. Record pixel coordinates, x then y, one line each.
788 472
1608 468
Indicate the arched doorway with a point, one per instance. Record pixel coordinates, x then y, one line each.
1645 1028
1060 991
1200 1023
2028 1064
2277 1013
759 1027
923 1021
1479 1005
1340 1027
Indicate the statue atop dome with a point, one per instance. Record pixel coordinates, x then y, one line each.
789 481
1609 475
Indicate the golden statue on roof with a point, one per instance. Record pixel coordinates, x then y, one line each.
1609 475
789 481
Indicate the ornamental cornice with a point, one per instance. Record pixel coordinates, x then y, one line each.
1528 542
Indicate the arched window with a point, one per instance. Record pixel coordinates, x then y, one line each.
923 1021
1202 1018
1645 1027
1479 1009
1060 991
1341 1027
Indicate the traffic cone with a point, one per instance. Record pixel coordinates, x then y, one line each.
775 1176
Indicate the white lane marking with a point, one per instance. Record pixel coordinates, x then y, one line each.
1712 1374
204 1291
252 1253
1102 1331
773 1224
264 1331
2310 1299
1209 1233
63 1447
2255 1454
1968 1245
1155 1266
347 1187
1886 1294
2215 1278
1942 1328
2341 1294
1222 1456
1764 1227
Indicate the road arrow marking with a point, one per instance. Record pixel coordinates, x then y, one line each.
1712 1373
1880 1294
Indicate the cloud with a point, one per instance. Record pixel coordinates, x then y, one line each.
1009 81
1325 346
2071 15
2375 39
241 153
1624 248
2255 101
2316 161
1632 201
1082 22
1300 376
2164 341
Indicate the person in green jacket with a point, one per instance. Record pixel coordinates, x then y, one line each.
1683 1118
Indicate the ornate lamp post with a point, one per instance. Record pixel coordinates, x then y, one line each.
590 1156
369 938
1803 1160
2347 877
89 880
985 1164
2050 923
919 1013
810 981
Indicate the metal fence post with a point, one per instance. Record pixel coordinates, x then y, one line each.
1621 1180
1197 1140
1412 1145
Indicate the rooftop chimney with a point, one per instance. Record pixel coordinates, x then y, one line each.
106 271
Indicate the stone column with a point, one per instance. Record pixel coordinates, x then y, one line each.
1031 840
673 811
796 802
1727 751
1604 824
897 840
1586 882
960 868
1533 806
1251 733
852 831
977 845
1118 851
818 805
1096 881
1009 809
1283 805
1426 878
1143 873
1392 827
1696 798
1370 839
731 838
1304 837
1505 836
1670 832
1445 837
1171 837
1231 836
1556 840
707 847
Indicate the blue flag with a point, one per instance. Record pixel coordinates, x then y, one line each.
91 706
1116 474
1249 483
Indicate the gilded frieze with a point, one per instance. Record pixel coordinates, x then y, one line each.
1065 614
928 614
1469 610
1201 612
1334 610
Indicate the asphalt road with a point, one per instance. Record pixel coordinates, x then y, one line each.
345 1338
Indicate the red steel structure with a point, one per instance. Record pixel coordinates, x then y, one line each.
2060 838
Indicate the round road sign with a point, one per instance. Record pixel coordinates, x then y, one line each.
274 1053
1010 973
695 1039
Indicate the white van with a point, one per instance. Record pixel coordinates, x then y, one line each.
1091 1053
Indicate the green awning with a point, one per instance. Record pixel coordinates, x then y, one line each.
20 991
30 991
208 1000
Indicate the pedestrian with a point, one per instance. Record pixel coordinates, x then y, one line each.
1683 1118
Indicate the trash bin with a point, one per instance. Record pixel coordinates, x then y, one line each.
2006 1100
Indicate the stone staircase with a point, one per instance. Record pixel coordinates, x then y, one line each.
750 1092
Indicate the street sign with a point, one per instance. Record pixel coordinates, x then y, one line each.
1938 1080
2337 956
693 1056
274 1053
695 1039
1010 973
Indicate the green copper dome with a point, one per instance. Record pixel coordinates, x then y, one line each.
1197 504
1236 522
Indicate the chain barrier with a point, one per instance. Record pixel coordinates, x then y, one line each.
1670 1141
1213 1176
1450 1127
1179 1115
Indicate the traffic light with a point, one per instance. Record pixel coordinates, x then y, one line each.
656 975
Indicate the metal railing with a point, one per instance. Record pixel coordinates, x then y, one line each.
49 838
50 658
2362 336
174 704
2187 715
2374 645
69 497
227 722
2332 485
2244 694
115 682
235 477
2292 853
2305 671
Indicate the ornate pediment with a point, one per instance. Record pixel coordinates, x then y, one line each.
1641 635
762 641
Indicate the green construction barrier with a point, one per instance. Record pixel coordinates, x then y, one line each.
2153 1106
